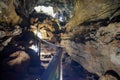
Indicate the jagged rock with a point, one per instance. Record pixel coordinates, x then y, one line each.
8 14
17 58
15 11
15 66
43 31
108 77
16 31
95 48
19 61
112 31
5 43
2 34
73 70
92 37
48 30
93 10
7 35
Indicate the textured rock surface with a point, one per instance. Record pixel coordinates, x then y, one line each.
13 11
108 77
18 61
8 14
94 41
14 66
93 10
96 48
6 35
74 71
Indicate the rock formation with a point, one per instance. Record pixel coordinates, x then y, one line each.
8 14
93 10
92 37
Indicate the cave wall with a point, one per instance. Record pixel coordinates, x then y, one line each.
93 10
14 11
92 37
97 50
13 14
8 14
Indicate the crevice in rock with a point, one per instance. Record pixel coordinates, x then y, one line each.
113 73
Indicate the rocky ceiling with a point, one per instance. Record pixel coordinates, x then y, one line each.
13 11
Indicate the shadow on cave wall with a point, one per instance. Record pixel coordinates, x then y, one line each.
73 70
113 73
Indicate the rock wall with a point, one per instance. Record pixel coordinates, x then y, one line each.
12 14
7 12
13 11
93 10
92 37
97 51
